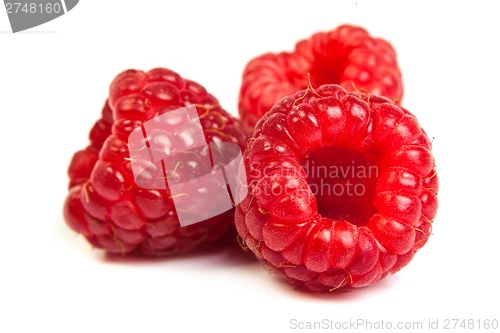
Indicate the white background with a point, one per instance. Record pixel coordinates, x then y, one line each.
54 80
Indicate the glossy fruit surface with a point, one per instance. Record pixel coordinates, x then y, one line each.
347 56
342 189
106 205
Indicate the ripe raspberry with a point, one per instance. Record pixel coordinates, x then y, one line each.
348 56
342 189
104 203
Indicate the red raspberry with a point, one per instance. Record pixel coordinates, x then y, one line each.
342 189
105 204
348 56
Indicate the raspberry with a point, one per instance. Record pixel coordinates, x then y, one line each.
348 56
106 205
342 189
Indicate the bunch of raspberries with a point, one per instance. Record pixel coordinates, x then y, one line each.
340 183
